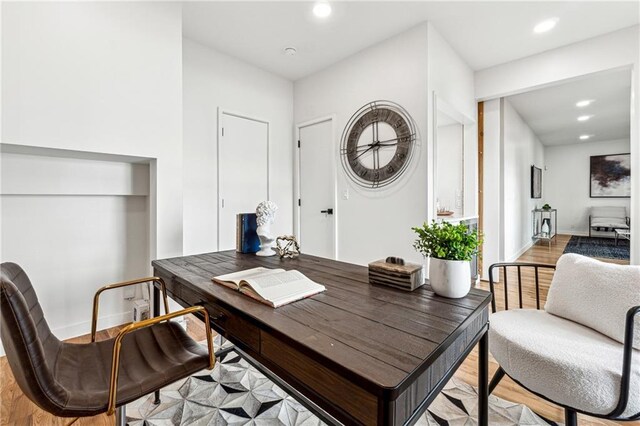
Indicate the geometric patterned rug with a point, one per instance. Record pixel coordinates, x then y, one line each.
236 393
598 247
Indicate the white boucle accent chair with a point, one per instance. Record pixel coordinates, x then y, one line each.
608 218
581 351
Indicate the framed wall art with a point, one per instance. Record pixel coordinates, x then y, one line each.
610 176
536 182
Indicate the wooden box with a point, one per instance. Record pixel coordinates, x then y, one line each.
405 277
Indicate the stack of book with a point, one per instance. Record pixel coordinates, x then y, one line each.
247 240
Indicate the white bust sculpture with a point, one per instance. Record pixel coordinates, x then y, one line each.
265 215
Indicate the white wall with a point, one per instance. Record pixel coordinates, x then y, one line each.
493 220
452 81
407 69
373 225
566 182
614 50
116 89
103 78
73 224
521 150
212 80
449 167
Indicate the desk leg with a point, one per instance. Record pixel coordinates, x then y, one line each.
156 312
483 380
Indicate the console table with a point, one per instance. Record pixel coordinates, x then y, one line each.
538 218
360 354
622 233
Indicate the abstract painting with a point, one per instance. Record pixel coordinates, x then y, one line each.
610 176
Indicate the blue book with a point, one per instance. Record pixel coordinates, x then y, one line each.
247 240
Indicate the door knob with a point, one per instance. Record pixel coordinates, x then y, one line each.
327 211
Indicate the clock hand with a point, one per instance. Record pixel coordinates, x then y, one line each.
364 152
395 139
371 146
361 147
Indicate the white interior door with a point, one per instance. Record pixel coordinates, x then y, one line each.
317 189
242 172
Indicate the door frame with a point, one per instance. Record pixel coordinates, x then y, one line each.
223 111
334 177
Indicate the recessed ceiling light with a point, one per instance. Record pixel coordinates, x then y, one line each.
582 104
584 117
584 137
546 25
290 51
322 9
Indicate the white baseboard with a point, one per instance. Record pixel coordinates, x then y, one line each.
84 327
519 253
604 234
574 232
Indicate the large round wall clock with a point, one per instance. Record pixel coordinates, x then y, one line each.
378 144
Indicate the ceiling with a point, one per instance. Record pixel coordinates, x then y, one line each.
483 33
552 112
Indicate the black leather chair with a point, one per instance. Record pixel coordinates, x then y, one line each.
78 380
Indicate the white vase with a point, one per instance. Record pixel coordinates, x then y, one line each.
545 227
450 278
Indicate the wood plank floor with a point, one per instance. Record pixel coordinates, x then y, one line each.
17 409
508 389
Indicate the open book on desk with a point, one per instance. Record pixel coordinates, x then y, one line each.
274 287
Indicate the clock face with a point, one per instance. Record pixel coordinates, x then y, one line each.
377 144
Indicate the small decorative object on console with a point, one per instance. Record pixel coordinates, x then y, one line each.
546 227
394 272
287 246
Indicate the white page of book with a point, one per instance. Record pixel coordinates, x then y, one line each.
271 280
236 277
284 286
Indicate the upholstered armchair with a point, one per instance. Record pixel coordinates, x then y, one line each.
608 218
582 351
80 380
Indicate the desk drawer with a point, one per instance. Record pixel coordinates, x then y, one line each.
229 325
355 402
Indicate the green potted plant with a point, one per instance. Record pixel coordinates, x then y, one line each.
450 249
546 207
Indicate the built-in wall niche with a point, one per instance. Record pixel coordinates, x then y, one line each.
76 221
455 168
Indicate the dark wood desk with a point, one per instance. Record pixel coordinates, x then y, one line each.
364 354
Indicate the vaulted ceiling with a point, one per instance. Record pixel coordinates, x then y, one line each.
483 33
552 113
